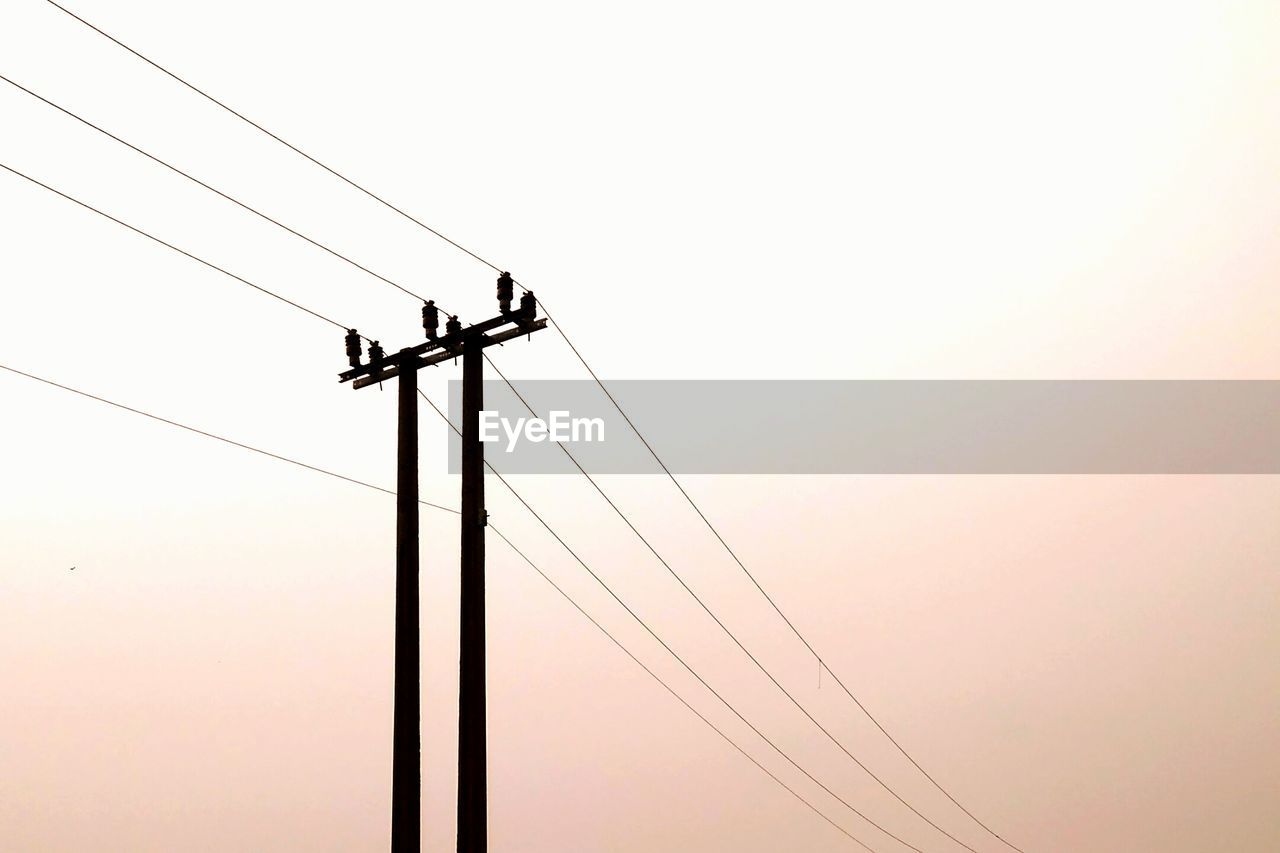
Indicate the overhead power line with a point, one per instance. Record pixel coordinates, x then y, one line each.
777 609
497 533
211 189
254 124
150 236
223 439
551 317
574 554
678 697
725 628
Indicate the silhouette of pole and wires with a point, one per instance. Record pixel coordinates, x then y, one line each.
371 376
470 343
577 353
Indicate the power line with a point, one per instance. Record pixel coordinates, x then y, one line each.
822 663
223 439
212 189
725 628
678 697
497 533
662 642
149 236
291 147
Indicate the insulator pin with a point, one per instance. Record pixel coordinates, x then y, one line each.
431 319
506 292
376 353
453 327
353 347
528 305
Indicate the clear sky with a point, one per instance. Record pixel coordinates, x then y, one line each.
800 190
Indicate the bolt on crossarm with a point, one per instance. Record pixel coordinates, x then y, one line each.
406 770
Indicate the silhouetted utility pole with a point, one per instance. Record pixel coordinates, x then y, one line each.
406 768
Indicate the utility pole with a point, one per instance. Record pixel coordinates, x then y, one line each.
472 741
406 769
406 712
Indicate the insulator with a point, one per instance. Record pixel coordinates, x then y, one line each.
353 347
528 305
506 291
453 327
375 353
431 318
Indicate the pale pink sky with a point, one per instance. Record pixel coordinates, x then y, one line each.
998 191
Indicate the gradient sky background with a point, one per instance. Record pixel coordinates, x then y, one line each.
821 190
